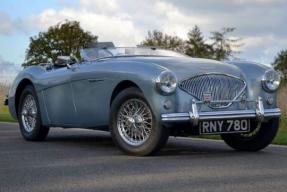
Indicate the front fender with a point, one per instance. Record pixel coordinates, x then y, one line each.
27 75
144 76
253 74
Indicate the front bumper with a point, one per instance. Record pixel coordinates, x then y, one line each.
195 116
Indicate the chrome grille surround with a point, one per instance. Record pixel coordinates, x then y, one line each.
223 88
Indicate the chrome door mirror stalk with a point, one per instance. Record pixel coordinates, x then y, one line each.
69 66
73 67
72 56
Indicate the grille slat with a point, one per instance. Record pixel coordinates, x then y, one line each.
221 87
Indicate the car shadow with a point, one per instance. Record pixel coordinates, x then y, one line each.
98 140
83 139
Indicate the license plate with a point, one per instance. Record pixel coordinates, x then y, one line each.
224 126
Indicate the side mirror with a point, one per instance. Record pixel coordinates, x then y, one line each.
66 61
63 60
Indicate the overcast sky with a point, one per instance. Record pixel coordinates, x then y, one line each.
261 23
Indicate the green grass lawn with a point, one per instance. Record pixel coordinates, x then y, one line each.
280 139
5 115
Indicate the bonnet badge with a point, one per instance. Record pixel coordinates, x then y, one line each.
206 97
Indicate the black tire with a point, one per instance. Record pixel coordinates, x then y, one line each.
261 137
158 136
38 131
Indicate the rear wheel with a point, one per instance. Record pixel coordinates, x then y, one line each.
29 116
133 125
260 137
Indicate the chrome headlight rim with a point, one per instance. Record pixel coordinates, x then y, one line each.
166 82
270 81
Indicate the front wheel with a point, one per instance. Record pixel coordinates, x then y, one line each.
29 116
261 136
133 125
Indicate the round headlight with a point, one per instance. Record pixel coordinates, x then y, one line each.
166 82
271 81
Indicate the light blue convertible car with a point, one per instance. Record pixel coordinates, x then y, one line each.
144 95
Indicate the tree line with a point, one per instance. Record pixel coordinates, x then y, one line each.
218 46
68 38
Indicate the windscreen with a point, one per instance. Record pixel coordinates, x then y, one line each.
96 53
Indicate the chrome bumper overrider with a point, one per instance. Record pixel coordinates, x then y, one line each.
195 116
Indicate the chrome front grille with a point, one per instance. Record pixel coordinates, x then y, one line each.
221 88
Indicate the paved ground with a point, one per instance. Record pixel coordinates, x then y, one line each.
83 160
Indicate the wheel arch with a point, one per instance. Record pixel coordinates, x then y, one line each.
121 86
21 86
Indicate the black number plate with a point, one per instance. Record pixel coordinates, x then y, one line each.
224 126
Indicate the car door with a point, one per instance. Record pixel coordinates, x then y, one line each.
58 97
90 93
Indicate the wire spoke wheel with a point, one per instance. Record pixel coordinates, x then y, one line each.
253 133
134 122
29 113
261 136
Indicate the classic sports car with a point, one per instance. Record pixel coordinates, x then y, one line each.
144 95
